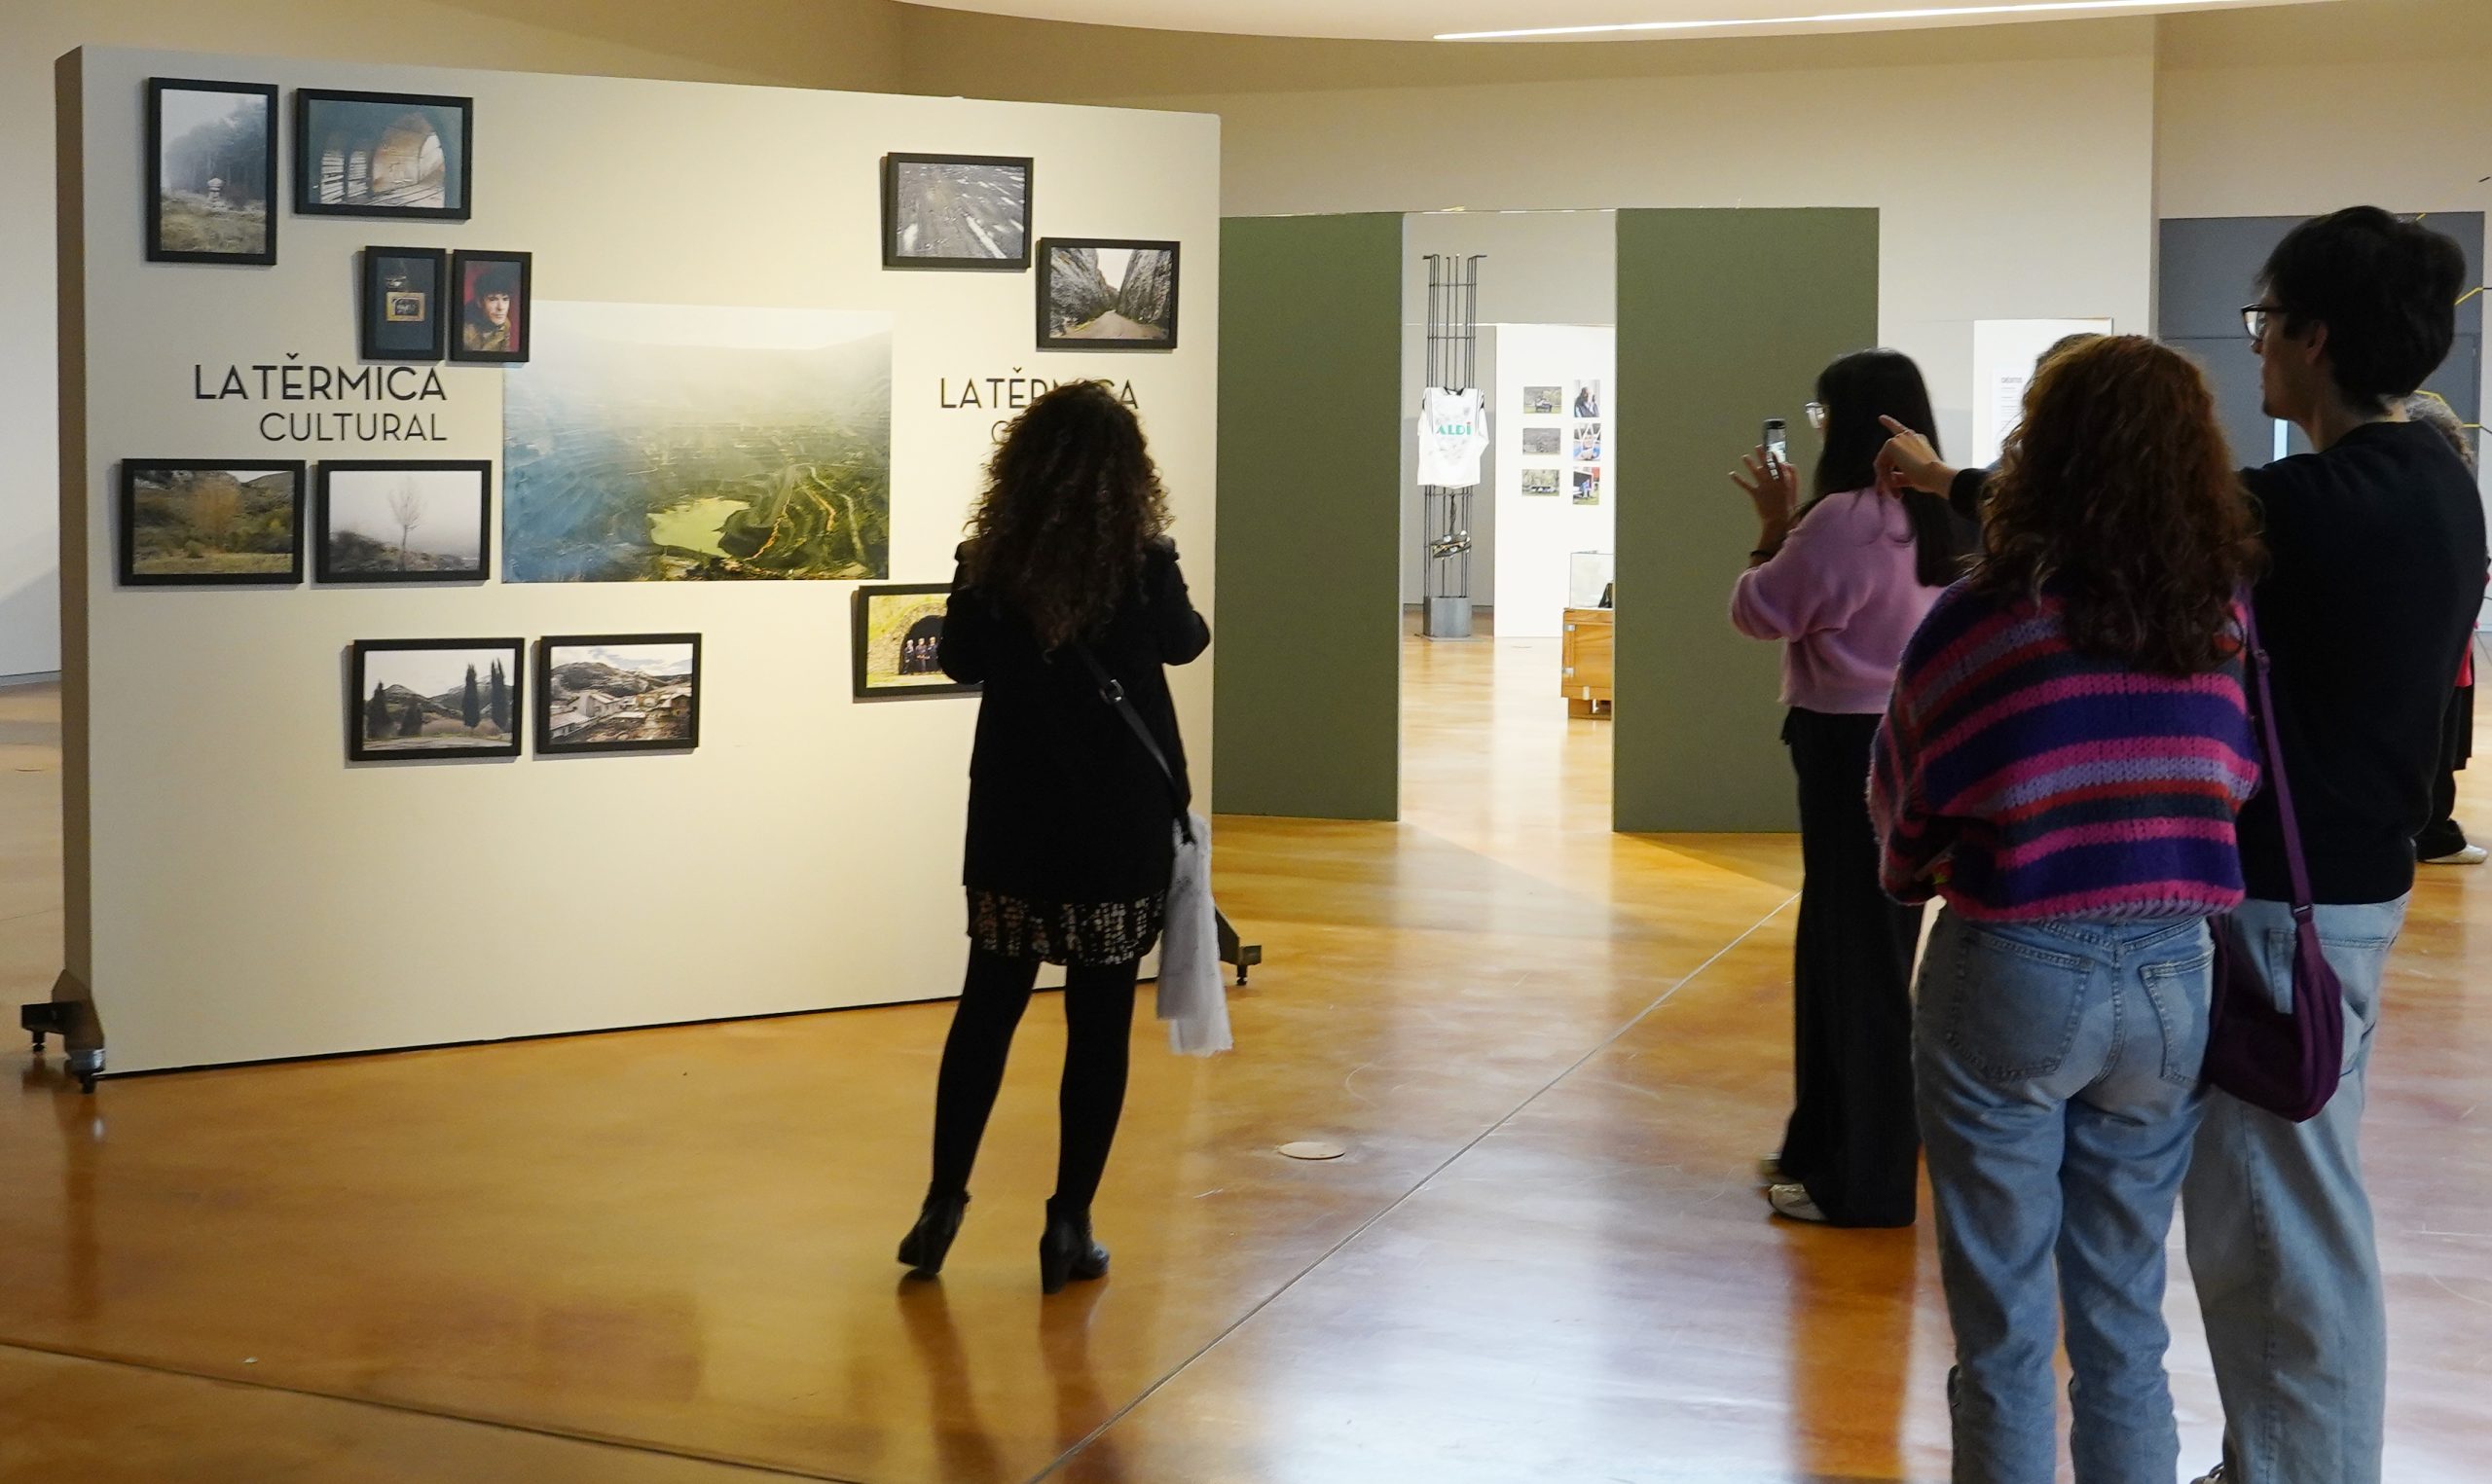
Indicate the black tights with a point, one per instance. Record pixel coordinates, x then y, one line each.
1098 1015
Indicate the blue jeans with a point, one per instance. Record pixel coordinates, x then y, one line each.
2280 1238
2058 1068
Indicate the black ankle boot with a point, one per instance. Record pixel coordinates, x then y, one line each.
1067 1250
938 1221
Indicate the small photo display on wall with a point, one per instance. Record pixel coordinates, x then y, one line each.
1104 294
899 635
211 523
1544 442
1587 440
212 150
406 310
1587 486
491 290
1543 481
618 693
382 153
412 700
1544 401
1587 399
384 521
955 212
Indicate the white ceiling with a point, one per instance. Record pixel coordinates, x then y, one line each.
1420 20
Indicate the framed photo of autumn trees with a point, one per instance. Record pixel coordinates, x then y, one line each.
404 521
211 523
412 700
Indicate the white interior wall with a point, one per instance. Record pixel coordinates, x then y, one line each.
254 897
1541 268
1544 533
818 43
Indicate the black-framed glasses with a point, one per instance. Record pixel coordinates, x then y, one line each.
2254 319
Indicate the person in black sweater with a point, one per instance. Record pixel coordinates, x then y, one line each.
1071 823
2376 546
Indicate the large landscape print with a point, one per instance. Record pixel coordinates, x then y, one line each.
670 443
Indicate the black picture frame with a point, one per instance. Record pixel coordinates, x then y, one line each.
893 257
360 749
1049 340
131 471
379 304
324 566
312 132
860 669
270 190
548 742
524 308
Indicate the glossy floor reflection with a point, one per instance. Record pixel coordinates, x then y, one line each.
1553 1053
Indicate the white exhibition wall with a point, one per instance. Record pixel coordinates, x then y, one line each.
2005 353
239 891
1540 530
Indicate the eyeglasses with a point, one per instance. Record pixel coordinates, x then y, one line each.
1815 412
2254 319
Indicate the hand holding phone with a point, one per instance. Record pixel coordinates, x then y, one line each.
1778 446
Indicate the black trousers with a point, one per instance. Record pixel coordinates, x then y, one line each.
1852 1138
1098 1017
2445 836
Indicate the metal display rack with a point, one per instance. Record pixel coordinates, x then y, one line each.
1453 363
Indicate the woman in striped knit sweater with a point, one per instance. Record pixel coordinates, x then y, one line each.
2061 764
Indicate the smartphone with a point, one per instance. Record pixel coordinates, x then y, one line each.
1778 446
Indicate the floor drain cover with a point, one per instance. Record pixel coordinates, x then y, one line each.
1313 1148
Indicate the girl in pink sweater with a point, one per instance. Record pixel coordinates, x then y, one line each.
1843 581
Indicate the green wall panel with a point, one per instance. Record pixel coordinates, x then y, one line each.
1309 620
1724 319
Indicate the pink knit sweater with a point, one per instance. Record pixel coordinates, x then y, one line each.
1842 598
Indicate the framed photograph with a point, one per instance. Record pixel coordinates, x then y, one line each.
1542 481
416 699
400 520
1587 442
1587 399
1542 440
1103 294
198 523
491 292
212 150
959 211
1587 486
382 153
618 693
899 635
405 312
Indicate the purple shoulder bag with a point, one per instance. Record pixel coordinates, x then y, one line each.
2288 1060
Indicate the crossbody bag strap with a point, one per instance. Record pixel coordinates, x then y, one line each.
1112 690
2263 716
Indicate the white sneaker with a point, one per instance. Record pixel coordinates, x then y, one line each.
1792 1202
2472 855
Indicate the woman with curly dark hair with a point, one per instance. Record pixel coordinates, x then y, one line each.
1067 573
2063 762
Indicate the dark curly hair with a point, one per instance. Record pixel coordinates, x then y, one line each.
1072 503
2118 493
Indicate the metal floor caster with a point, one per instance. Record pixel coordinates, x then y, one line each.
87 1066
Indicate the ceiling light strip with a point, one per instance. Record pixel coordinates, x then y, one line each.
1847 18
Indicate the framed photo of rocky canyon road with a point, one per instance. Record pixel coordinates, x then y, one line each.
1107 294
618 693
956 212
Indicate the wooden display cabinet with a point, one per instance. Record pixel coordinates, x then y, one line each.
1590 647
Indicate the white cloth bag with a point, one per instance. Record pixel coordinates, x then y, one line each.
1193 992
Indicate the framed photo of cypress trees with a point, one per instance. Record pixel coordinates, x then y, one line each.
418 700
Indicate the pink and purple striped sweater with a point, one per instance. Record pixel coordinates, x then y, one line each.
2022 781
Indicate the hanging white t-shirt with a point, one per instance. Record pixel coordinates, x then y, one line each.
1453 432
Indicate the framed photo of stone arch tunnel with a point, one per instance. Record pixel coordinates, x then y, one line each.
383 154
212 150
956 212
1107 294
899 635
618 693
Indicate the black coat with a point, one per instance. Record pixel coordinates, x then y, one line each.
1065 805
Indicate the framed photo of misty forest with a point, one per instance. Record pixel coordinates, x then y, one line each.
211 158
1107 294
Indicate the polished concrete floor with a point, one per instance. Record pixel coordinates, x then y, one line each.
1552 1053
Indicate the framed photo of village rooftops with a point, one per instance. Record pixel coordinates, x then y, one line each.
618 693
